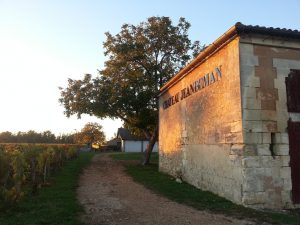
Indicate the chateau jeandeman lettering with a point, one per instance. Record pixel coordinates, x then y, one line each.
197 85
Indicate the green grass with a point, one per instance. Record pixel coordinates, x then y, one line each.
56 204
203 200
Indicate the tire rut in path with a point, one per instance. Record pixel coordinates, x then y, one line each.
111 197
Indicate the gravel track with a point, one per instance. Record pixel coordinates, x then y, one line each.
111 197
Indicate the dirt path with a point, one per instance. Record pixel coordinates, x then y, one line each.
111 197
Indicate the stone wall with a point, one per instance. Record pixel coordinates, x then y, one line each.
201 133
230 136
265 62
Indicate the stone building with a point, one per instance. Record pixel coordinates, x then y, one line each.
229 122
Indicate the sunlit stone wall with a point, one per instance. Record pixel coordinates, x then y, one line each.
227 133
200 133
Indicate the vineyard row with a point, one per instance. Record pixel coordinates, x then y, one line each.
24 168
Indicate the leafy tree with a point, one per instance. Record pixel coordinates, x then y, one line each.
48 137
6 137
90 133
141 59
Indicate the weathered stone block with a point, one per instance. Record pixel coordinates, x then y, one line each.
282 73
234 158
269 115
281 149
263 149
282 98
285 160
274 199
286 63
285 172
253 126
286 198
254 82
268 172
279 82
246 49
251 114
252 138
249 60
237 149
281 86
253 173
269 161
251 103
269 126
251 161
249 92
271 42
282 124
247 74
253 181
274 173
248 79
250 150
268 93
266 138
284 138
268 104
237 193
253 186
282 112
251 198
287 184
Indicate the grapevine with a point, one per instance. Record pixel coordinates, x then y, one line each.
24 168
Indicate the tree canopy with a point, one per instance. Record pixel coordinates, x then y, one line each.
32 136
141 59
90 133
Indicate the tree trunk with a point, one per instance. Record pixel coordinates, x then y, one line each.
150 146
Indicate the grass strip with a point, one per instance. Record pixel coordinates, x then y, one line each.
56 204
184 193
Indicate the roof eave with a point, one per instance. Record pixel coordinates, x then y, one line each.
236 30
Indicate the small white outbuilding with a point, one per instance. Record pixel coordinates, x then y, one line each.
129 143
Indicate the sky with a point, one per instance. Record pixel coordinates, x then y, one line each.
45 42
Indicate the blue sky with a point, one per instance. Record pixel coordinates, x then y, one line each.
44 42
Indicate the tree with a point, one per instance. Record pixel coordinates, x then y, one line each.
90 133
141 59
35 137
66 138
6 137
